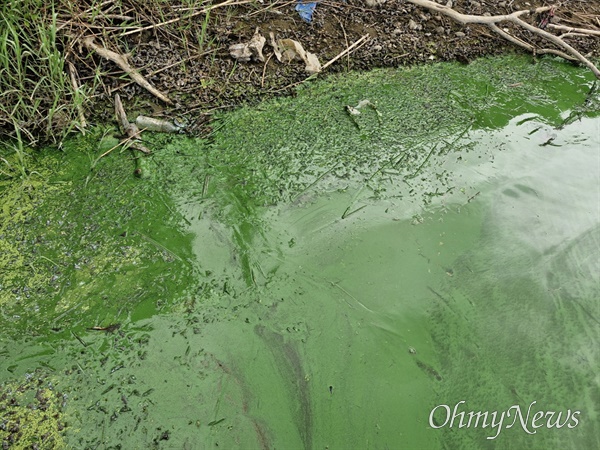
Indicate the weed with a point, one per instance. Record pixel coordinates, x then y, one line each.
202 36
37 100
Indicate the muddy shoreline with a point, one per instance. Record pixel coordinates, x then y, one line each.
203 77
174 60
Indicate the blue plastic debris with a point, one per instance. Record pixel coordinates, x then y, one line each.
306 10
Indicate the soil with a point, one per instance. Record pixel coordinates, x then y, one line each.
191 62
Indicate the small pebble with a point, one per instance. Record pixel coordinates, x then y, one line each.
459 34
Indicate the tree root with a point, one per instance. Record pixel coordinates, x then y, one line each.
568 52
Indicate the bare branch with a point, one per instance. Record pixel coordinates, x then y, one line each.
120 61
569 30
559 42
569 53
530 47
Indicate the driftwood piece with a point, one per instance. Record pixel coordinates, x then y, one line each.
121 61
568 52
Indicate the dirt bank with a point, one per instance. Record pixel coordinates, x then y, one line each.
205 76
184 52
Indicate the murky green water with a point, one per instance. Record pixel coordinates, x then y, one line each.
306 278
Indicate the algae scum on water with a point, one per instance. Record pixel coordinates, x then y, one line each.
316 273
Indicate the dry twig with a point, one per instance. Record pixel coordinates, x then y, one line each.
348 50
177 19
76 87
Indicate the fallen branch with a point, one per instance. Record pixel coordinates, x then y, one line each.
120 61
129 129
530 47
515 17
574 30
167 67
566 35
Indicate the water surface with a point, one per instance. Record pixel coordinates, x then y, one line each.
305 278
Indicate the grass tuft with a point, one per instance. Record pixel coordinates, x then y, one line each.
38 103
